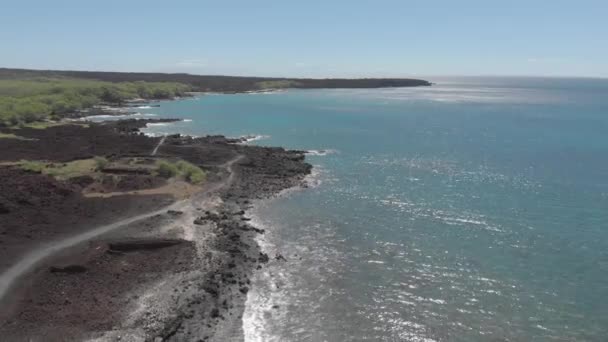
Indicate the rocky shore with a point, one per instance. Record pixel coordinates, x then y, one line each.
161 268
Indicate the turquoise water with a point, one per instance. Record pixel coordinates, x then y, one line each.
473 210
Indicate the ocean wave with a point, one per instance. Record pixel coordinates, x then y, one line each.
251 137
459 221
451 218
109 117
264 294
265 91
93 117
316 177
279 287
375 262
321 152
453 170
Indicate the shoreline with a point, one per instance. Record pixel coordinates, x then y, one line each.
251 312
214 245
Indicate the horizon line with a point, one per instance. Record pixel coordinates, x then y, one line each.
411 76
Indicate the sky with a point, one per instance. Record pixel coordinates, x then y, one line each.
331 38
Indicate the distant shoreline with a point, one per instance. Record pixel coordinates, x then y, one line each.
211 83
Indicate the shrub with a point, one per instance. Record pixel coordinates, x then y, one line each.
100 163
188 171
197 177
166 169
32 166
191 172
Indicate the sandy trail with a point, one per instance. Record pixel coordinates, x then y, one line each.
162 140
10 276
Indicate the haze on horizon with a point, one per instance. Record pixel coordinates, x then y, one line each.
310 39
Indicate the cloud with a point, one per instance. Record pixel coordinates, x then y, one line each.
192 63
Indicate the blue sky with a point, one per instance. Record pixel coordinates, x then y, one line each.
340 38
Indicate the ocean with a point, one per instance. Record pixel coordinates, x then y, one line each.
472 210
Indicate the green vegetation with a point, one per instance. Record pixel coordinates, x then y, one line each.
11 136
47 124
191 172
278 84
215 83
188 171
100 163
25 101
32 166
91 166
61 170
36 95
167 169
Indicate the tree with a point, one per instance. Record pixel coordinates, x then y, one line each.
111 95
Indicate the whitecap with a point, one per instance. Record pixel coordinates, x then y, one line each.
321 152
252 137
109 117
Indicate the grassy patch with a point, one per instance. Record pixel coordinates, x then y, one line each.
32 166
166 169
61 170
191 172
100 163
47 124
12 136
183 169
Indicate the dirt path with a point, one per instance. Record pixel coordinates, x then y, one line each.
27 262
162 140
177 189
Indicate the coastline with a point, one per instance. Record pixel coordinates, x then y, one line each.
256 303
201 276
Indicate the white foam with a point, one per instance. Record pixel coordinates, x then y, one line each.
107 117
253 137
261 298
375 262
542 328
154 124
321 152
316 177
265 91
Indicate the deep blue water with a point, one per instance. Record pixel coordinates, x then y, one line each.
473 210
